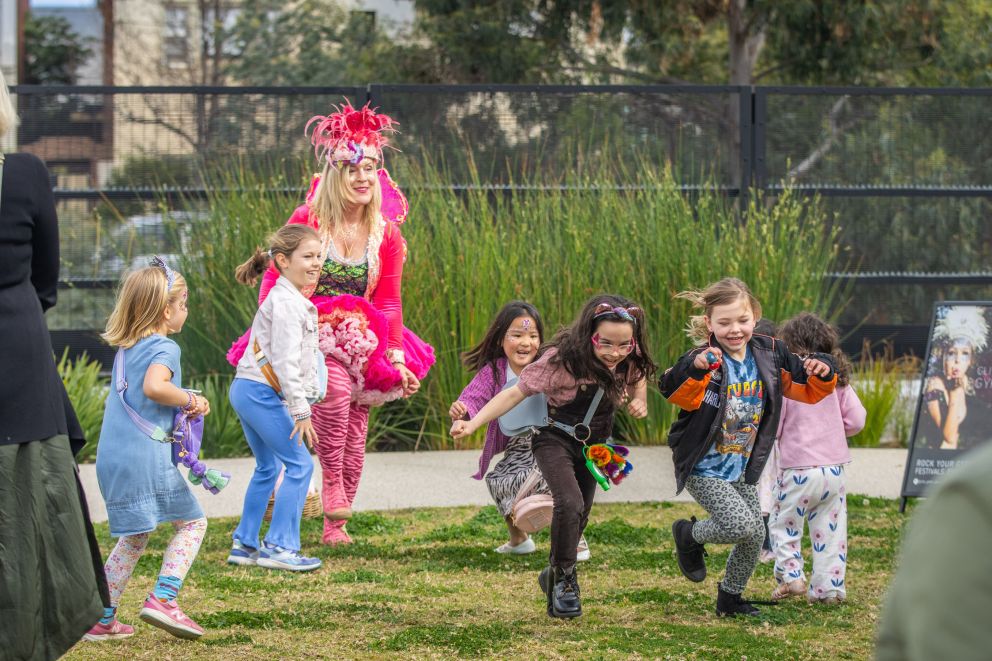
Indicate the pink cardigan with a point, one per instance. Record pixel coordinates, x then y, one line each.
815 435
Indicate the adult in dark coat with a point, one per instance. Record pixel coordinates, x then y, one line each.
50 571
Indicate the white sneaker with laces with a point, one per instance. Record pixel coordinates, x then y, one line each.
523 548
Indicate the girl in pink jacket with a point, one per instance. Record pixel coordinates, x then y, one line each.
812 451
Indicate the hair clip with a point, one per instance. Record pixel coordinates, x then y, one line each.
170 275
627 314
269 253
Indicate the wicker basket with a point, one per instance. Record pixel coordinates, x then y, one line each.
312 508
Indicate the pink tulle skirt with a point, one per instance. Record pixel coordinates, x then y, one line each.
352 331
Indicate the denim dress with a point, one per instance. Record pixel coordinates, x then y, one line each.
139 483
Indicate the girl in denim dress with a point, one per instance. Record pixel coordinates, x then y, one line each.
139 483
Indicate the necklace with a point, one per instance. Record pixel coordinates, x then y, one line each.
347 235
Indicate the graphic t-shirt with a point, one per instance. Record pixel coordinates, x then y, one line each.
745 392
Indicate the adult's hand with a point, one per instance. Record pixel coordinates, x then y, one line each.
409 382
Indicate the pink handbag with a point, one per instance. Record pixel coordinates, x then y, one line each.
532 513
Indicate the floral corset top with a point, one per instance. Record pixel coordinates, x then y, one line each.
337 278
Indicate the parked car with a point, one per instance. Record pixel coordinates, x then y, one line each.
134 242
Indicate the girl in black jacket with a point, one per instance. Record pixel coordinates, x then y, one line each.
730 390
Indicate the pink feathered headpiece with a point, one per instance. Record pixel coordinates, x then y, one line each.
349 135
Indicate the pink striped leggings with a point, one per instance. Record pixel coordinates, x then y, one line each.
341 427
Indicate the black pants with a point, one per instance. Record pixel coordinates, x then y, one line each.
573 488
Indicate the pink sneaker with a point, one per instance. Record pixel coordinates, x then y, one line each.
336 536
111 631
167 615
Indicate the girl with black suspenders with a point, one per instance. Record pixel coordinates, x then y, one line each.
590 369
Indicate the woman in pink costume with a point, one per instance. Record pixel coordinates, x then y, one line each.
371 357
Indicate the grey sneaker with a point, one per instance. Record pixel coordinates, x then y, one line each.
276 557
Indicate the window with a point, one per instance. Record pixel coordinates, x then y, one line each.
175 36
221 29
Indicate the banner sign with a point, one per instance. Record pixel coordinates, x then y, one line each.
954 409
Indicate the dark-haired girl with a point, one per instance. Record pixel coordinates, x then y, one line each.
809 486
602 350
510 344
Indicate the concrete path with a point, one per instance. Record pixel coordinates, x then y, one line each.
397 480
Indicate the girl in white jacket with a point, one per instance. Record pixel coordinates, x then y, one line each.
278 378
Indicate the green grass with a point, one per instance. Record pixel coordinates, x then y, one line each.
427 584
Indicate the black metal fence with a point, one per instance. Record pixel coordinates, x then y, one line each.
906 173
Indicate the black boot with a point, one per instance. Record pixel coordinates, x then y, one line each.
562 589
544 579
732 605
689 552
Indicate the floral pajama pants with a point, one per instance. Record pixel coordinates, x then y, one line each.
815 496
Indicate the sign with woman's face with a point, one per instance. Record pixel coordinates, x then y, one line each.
954 411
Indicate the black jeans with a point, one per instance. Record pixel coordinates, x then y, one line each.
573 488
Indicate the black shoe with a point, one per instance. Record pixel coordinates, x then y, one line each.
689 552
732 605
544 578
563 598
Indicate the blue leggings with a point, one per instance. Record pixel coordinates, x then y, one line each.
267 425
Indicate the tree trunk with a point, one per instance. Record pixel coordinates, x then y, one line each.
746 38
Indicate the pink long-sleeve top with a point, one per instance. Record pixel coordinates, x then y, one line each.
385 271
812 435
486 384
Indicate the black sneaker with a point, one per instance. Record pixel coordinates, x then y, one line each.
689 552
732 605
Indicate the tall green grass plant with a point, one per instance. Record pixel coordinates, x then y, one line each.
879 379
555 244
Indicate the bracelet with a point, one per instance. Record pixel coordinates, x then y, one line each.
189 401
300 417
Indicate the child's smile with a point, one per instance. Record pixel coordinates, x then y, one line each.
613 342
521 342
733 325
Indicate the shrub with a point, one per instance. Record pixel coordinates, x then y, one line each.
88 393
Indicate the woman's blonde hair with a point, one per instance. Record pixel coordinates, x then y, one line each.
332 197
8 116
722 292
283 241
140 307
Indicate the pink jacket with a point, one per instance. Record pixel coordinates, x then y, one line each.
813 435
387 252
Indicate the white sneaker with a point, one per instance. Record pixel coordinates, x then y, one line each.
523 548
582 550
